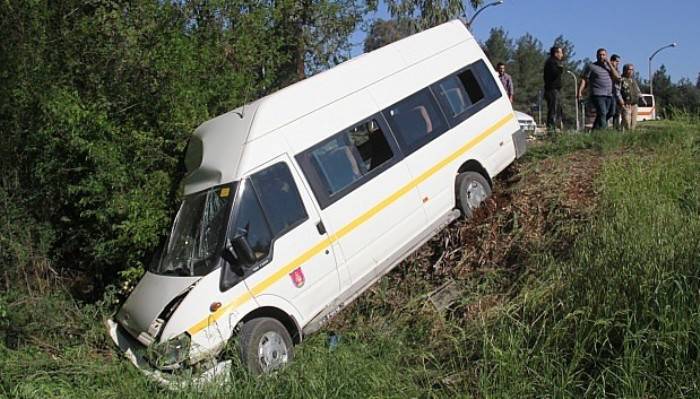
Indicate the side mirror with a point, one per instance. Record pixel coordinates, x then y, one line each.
243 250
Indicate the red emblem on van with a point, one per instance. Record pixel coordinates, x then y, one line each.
297 277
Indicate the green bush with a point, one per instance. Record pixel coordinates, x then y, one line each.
102 98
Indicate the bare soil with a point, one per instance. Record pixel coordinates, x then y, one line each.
528 208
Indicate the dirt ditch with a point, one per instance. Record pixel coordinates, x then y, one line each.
532 208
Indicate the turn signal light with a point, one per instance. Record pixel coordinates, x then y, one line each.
214 306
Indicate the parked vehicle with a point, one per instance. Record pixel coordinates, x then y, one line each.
298 202
527 123
646 108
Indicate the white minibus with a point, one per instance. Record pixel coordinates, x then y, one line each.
296 203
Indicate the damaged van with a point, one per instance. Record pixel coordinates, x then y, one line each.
298 202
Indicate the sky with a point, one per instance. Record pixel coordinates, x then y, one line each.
634 29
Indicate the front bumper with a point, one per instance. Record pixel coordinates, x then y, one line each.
133 350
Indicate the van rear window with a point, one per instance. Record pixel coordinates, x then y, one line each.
645 101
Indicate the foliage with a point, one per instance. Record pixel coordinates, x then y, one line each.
528 60
672 97
383 32
499 47
426 14
103 95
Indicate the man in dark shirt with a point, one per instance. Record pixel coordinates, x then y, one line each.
506 80
599 76
617 98
553 69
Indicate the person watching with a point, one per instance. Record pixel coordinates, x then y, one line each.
506 80
599 76
617 98
553 70
630 93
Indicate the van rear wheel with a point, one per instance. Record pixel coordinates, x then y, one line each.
265 345
472 190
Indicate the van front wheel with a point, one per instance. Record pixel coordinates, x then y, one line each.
265 345
472 190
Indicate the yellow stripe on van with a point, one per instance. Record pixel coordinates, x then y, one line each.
313 251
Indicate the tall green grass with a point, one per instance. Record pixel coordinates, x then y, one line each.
621 316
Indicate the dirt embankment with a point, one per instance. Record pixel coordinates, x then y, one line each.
529 203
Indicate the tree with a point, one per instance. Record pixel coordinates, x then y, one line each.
663 88
498 47
697 82
685 97
423 14
384 32
526 70
103 96
316 32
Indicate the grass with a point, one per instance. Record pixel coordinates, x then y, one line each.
599 299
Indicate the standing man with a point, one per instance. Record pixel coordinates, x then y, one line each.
617 98
629 91
506 80
553 69
599 77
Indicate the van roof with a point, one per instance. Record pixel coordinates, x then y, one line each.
304 97
216 147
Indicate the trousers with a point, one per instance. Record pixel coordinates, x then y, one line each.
553 99
629 117
603 110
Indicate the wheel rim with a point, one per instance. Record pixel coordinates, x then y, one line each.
272 351
476 194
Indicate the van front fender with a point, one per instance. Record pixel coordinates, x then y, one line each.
280 309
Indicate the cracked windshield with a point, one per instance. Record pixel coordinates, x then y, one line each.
198 233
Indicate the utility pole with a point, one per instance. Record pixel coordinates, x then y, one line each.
651 77
471 20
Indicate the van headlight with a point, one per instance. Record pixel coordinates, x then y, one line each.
169 355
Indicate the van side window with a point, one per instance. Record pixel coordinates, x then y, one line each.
415 120
349 155
338 165
279 198
451 92
250 222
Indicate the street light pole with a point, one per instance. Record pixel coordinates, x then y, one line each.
578 127
471 20
651 77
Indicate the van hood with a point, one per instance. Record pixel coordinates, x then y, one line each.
148 300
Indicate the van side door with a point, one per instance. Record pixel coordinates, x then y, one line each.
293 259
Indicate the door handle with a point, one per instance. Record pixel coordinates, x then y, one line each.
320 227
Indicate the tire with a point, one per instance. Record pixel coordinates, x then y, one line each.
472 189
265 345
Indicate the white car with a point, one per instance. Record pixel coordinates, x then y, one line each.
527 123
